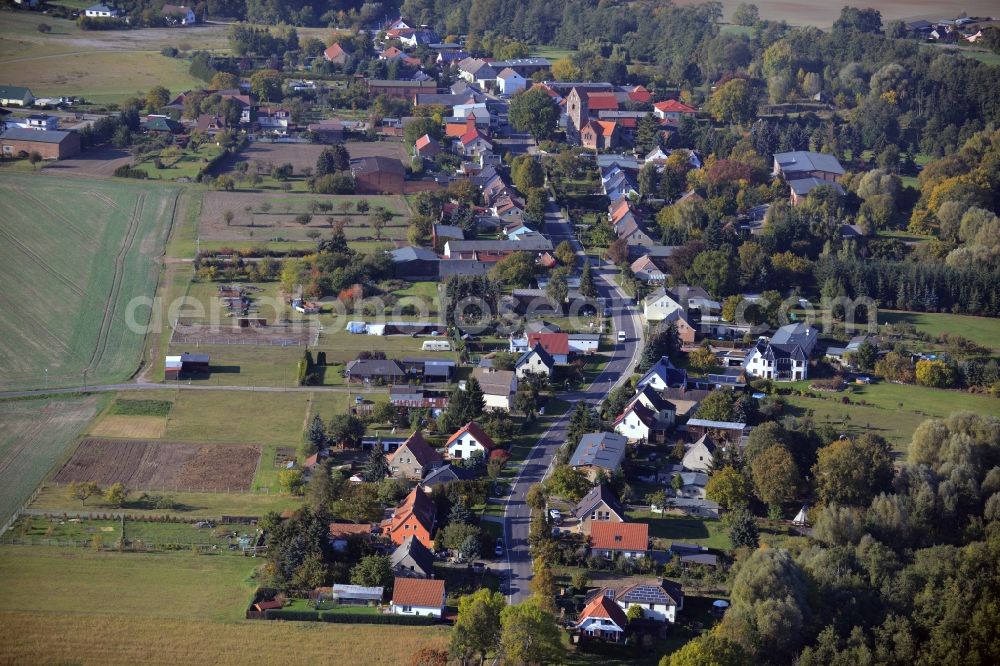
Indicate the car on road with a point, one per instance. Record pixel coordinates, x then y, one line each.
498 550
555 515
622 337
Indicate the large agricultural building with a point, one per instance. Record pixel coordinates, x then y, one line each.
51 145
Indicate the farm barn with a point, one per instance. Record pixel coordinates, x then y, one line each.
54 145
186 363
377 175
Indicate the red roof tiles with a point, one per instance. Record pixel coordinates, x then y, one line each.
421 592
619 536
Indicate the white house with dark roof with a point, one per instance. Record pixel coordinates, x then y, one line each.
510 82
699 457
535 361
785 356
659 600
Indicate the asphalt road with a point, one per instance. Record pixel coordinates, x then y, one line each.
536 466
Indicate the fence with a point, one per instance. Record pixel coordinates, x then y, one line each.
164 488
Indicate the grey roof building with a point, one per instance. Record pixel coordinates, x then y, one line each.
604 450
412 559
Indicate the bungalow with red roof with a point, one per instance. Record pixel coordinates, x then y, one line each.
469 439
414 517
556 344
427 147
613 540
602 618
414 458
672 111
335 54
418 596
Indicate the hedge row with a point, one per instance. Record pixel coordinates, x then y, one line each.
345 618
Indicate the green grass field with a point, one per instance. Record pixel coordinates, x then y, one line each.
101 66
74 253
669 528
208 506
891 410
34 435
165 608
982 330
239 416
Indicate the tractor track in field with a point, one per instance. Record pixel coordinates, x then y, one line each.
41 262
105 199
116 284
62 218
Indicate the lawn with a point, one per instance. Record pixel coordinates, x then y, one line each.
40 531
74 255
669 528
982 330
240 416
189 163
189 506
34 436
891 410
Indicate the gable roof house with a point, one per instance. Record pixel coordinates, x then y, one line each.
535 361
51 145
646 418
672 111
599 505
335 54
418 596
662 376
602 619
427 146
16 96
179 14
414 517
645 270
414 263
785 356
510 82
499 387
411 559
467 440
444 475
373 371
805 164
101 11
476 71
599 451
611 540
414 458
800 188
555 344
700 455
659 599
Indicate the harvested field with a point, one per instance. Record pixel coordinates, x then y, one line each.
34 436
260 216
152 465
143 427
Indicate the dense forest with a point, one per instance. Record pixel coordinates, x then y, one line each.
902 570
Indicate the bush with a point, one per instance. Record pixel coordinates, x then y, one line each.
125 171
169 51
